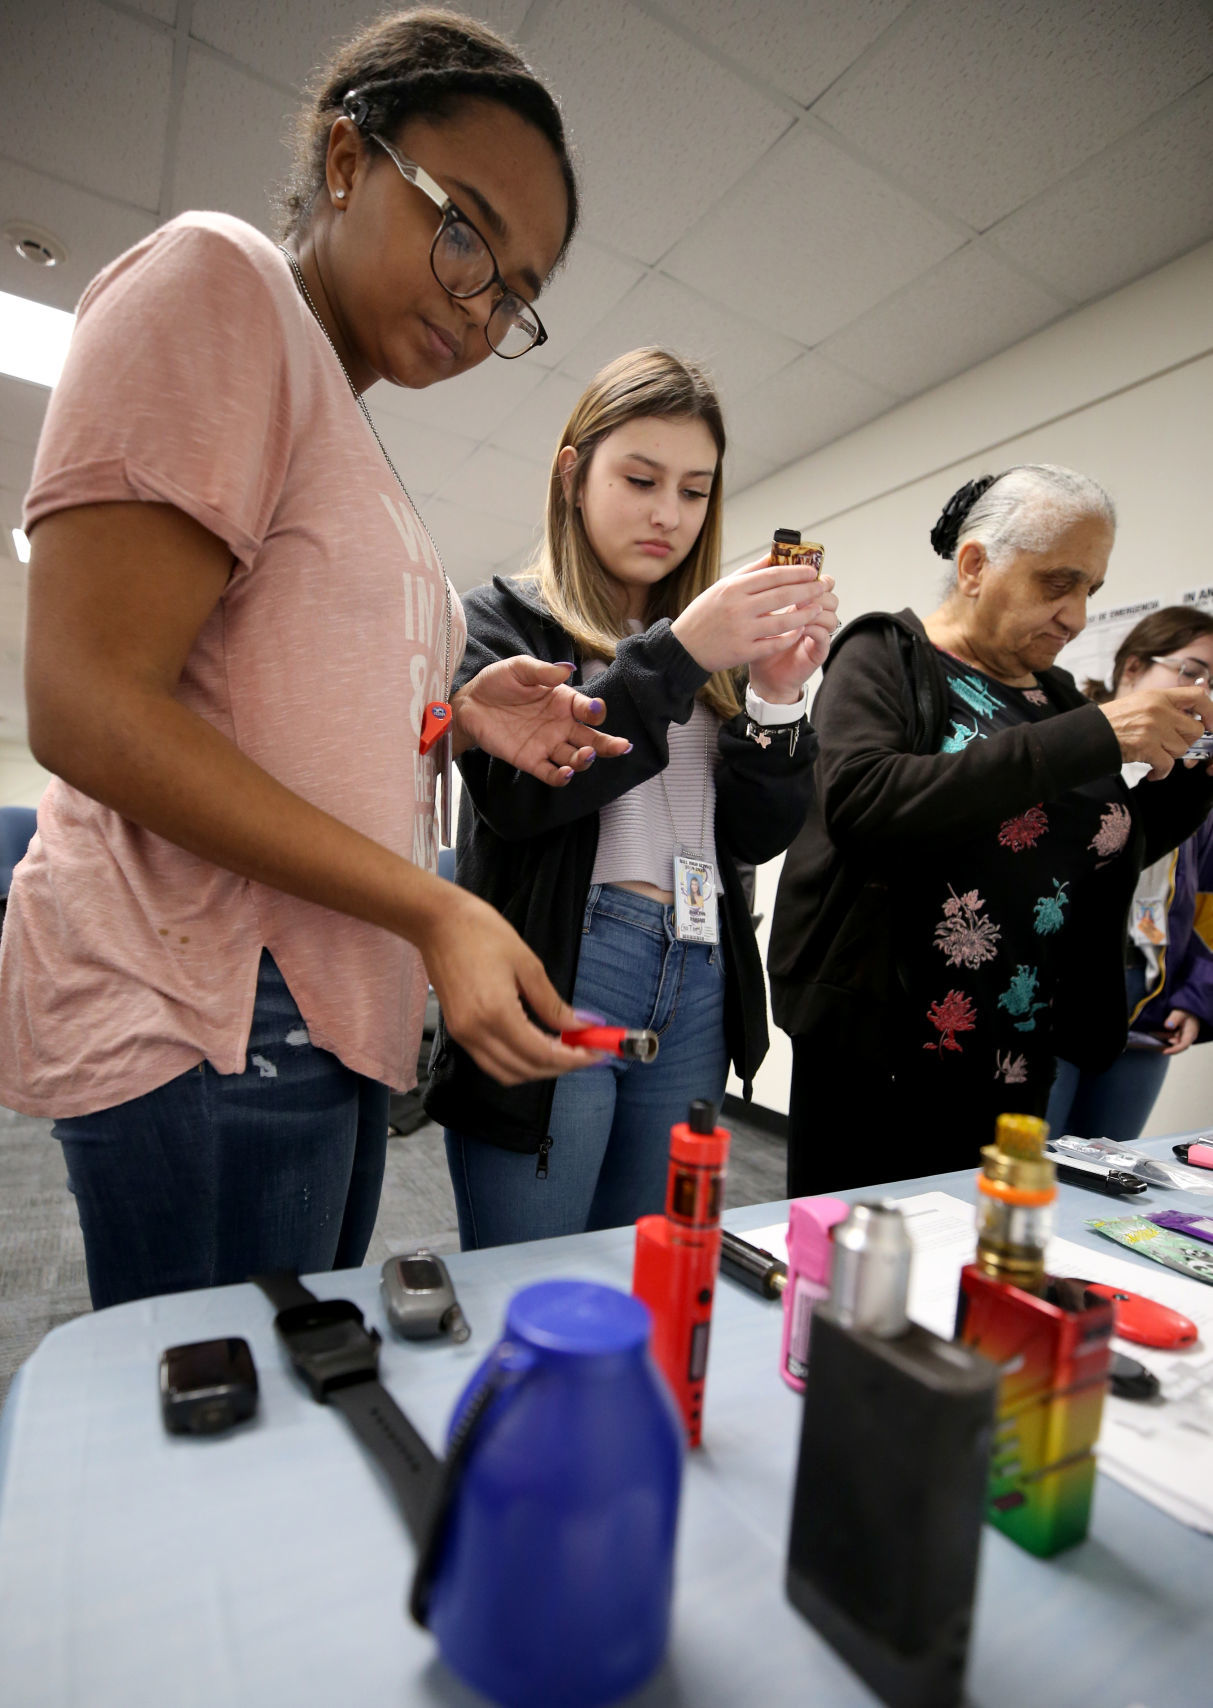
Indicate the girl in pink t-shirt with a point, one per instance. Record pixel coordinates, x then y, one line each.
240 642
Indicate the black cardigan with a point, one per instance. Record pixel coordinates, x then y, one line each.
529 849
888 799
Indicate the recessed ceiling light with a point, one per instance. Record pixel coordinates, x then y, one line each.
21 545
33 339
35 244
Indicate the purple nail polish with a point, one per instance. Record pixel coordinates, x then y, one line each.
588 1019
591 759
565 663
629 747
597 707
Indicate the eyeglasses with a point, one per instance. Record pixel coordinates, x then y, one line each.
465 266
1193 670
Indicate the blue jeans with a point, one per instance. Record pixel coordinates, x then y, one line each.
215 1177
1115 1104
610 1125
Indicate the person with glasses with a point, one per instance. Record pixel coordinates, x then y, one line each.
627 887
241 668
1169 948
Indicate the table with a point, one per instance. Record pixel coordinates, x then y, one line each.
269 1567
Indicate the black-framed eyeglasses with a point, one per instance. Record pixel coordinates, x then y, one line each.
1189 670
465 266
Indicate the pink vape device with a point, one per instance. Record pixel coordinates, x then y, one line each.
1200 1155
810 1252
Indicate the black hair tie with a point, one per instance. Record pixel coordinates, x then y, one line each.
946 531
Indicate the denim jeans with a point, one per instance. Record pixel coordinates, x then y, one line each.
215 1177
1115 1104
610 1125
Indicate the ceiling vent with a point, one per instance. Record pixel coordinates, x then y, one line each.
35 245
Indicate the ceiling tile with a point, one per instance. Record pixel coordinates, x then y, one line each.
810 240
534 429
91 229
587 287
288 39
473 404
230 150
470 541
659 311
501 485
807 405
982 103
970 307
61 59
800 49
425 456
661 129
165 10
1139 204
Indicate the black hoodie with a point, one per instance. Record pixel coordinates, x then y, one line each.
529 849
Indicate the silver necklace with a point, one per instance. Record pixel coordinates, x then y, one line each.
358 399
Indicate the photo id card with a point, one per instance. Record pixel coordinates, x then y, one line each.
695 901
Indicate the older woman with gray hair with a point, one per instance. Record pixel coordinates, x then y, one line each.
951 917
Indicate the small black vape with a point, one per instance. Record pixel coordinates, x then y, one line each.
891 1482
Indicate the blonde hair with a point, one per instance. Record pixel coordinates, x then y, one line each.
570 580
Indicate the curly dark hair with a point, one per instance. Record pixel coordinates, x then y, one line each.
418 64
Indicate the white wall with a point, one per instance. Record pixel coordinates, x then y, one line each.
1123 390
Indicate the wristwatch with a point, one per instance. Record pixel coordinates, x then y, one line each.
337 1356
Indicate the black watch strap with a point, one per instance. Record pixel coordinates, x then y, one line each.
412 1469
414 1472
284 1289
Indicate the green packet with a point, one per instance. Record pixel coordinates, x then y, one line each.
1189 1256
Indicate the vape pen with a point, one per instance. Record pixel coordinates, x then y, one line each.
891 1480
809 1257
788 547
1052 1348
677 1257
1199 1154
632 1044
753 1267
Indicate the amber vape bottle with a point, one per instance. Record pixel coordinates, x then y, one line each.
1054 1360
890 1485
788 547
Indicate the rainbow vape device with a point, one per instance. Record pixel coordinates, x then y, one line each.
678 1255
1053 1358
891 1480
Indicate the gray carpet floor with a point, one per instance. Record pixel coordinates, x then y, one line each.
42 1278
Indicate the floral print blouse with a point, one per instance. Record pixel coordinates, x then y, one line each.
983 930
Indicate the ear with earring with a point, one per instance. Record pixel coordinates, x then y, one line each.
339 194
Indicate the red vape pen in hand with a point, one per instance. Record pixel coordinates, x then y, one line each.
677 1256
631 1043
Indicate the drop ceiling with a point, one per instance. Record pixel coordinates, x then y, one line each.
835 203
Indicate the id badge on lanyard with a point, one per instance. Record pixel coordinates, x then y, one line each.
696 904
436 732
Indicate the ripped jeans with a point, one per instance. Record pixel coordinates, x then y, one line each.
215 1177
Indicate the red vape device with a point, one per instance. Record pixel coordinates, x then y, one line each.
1145 1320
635 1044
677 1256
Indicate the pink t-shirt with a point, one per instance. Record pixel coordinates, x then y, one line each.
198 377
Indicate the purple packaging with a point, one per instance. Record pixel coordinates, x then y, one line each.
1185 1222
